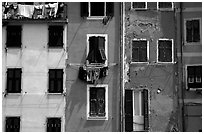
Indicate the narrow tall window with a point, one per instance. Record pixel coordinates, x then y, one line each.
192 31
14 80
13 36
165 50
96 50
55 36
194 76
53 124
139 51
12 124
165 5
55 81
139 5
97 102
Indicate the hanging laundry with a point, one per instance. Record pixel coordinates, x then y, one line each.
26 10
51 10
39 8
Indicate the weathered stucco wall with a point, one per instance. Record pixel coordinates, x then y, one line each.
76 99
33 105
152 24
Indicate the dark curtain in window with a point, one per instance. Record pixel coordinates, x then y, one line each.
55 81
12 124
128 111
55 36
14 80
14 36
196 31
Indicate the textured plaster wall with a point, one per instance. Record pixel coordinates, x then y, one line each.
33 104
76 99
152 24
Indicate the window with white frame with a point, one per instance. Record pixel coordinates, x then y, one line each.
194 76
97 102
97 49
165 50
136 110
97 9
139 50
192 30
165 5
139 5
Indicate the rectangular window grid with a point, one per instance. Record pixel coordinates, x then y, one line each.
13 36
14 80
12 124
55 81
165 50
194 77
53 124
193 31
55 36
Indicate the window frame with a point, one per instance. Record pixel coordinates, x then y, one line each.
7 32
63 37
106 47
172 51
140 39
95 17
186 75
133 8
63 81
11 117
6 89
185 31
106 102
61 122
165 9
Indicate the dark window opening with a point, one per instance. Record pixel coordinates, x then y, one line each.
165 51
165 4
55 36
139 51
14 80
12 124
193 31
55 81
194 76
97 8
97 102
96 50
13 36
139 4
53 124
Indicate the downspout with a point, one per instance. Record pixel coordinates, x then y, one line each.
181 49
121 68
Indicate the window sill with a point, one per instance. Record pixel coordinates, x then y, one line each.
13 47
14 94
165 9
95 17
193 43
56 93
97 118
139 62
159 62
139 9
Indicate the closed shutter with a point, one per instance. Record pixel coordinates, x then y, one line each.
18 80
55 36
110 9
14 36
146 109
189 30
54 125
93 101
128 111
51 81
101 101
198 74
191 74
196 31
14 80
12 124
59 81
84 9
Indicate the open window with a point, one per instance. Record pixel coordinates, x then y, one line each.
97 105
55 36
136 110
165 50
192 31
139 50
97 49
54 124
139 5
13 36
165 5
97 9
194 77
55 81
13 80
12 124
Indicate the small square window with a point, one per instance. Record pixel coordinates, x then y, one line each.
14 80
13 36
165 50
165 5
97 50
193 31
97 102
53 124
139 51
55 81
55 36
194 76
139 5
12 124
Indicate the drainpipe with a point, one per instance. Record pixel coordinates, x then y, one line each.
181 49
